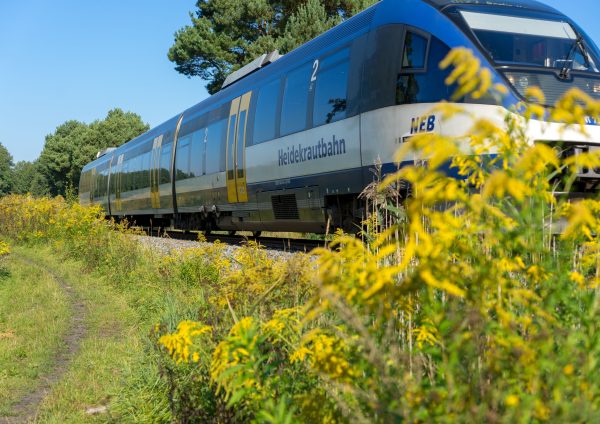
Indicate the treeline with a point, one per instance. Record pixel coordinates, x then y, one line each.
73 144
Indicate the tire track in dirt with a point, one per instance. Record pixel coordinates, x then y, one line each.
26 409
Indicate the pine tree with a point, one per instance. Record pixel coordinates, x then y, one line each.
227 34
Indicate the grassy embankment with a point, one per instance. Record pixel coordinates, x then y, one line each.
37 317
34 315
126 291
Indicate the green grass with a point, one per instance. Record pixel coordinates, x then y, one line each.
117 366
34 314
113 367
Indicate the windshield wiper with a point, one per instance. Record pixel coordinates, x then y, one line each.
564 72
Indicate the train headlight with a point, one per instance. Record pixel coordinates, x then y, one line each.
511 79
523 82
596 88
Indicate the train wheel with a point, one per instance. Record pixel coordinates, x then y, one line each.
232 232
256 234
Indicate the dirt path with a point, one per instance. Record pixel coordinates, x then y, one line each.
25 410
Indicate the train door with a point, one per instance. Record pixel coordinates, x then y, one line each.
118 179
92 185
172 170
155 172
236 149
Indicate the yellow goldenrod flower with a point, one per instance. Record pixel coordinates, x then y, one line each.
512 400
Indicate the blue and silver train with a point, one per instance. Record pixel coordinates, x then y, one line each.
288 143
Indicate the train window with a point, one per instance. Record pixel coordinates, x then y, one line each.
165 163
101 184
130 180
266 112
133 173
182 158
130 174
137 172
145 170
230 144
429 86
98 182
215 152
295 100
105 182
332 87
382 63
133 167
125 176
415 51
140 172
197 157
97 185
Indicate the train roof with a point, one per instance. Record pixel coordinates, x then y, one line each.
519 4
336 36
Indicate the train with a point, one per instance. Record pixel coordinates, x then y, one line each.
289 142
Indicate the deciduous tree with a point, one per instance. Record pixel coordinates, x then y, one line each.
6 164
24 175
74 143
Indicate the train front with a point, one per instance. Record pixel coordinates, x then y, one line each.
541 48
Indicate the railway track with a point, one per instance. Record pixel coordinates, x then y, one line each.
274 243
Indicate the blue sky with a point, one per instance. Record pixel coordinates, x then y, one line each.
77 59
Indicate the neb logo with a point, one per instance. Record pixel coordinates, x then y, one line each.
422 124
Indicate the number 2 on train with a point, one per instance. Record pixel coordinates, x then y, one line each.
313 78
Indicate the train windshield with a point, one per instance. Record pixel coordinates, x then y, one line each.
523 41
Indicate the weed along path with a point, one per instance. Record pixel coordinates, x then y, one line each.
72 346
73 317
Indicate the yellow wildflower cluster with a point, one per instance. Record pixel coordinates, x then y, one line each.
251 276
237 352
468 74
185 344
284 327
426 334
82 232
29 218
4 249
574 107
365 274
326 354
